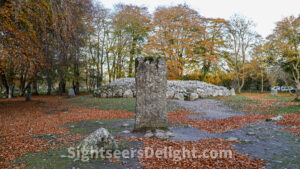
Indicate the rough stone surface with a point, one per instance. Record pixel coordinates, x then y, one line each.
274 92
151 88
118 87
179 96
128 93
71 92
232 92
98 139
193 96
275 118
148 135
170 94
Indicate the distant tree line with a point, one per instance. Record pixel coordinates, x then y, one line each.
82 44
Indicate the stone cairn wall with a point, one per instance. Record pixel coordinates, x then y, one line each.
151 87
176 89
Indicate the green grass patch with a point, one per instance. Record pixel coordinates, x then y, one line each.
127 104
239 101
86 127
280 98
288 109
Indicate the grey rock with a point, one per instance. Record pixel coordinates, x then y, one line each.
128 94
126 131
274 92
161 135
193 96
275 118
148 135
125 125
251 133
71 93
98 139
170 94
179 96
232 139
232 92
151 88
170 134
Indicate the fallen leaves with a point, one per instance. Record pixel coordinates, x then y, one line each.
191 161
20 121
293 121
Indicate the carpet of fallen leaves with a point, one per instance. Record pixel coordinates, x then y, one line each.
20 121
190 161
215 125
293 121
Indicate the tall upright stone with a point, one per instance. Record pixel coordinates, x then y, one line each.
151 88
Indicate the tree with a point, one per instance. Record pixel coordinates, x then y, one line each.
285 42
241 37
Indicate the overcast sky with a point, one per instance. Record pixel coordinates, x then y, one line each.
263 12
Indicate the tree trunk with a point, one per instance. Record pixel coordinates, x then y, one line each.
262 83
132 53
4 82
62 87
242 85
298 91
49 84
35 87
11 91
28 94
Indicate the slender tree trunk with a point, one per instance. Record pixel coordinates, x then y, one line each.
28 94
35 87
49 84
4 82
298 91
262 83
132 53
11 91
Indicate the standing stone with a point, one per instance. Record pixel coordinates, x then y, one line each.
71 92
274 92
151 87
232 92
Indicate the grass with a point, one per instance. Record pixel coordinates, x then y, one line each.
85 127
239 101
280 98
288 109
127 104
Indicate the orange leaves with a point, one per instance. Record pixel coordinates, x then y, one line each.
20 121
293 121
194 160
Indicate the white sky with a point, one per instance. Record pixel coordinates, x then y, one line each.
263 12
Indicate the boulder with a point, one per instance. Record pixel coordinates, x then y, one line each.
193 96
71 93
277 118
170 94
161 134
128 94
274 92
98 139
179 96
232 92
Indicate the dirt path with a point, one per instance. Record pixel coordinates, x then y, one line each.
264 140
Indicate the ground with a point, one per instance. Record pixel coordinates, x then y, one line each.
37 134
